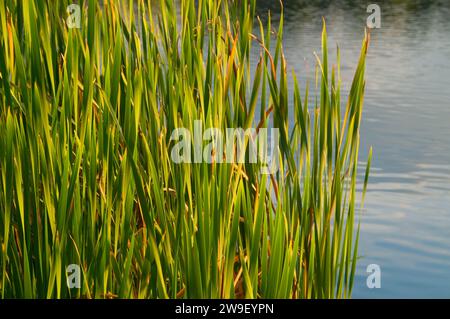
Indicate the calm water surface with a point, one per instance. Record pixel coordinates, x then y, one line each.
406 222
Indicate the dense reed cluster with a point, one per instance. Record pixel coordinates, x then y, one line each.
86 175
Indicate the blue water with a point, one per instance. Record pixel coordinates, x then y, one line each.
405 227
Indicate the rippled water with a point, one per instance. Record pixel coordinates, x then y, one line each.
406 222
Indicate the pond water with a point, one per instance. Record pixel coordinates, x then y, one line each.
406 221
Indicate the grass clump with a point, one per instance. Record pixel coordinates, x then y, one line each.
86 175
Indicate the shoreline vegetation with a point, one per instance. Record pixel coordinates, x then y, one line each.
86 176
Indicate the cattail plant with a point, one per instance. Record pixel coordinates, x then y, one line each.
87 177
